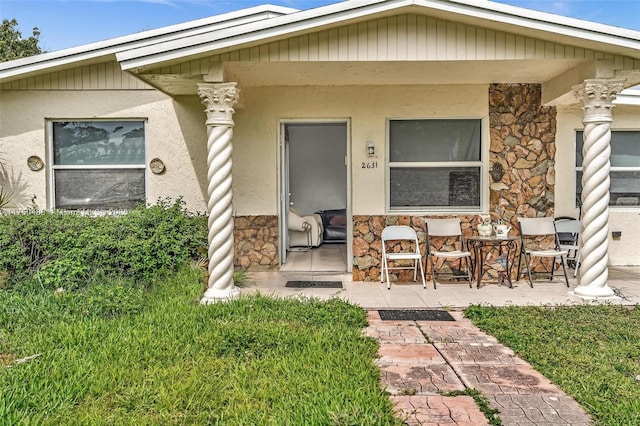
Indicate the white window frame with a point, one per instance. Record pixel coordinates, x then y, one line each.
481 164
53 167
578 168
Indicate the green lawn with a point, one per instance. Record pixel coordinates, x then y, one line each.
117 353
591 352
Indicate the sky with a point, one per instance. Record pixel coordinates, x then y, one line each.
70 23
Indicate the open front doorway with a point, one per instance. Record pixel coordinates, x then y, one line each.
315 214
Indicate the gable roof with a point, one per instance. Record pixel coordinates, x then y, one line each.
106 50
478 12
266 23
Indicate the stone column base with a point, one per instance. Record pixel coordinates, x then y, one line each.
214 295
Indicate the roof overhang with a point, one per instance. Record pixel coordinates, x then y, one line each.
106 50
477 12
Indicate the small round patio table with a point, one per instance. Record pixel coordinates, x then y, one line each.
506 246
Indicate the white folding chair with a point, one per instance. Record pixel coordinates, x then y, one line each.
568 237
448 228
400 233
532 231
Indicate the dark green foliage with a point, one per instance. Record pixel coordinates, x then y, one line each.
591 352
53 250
13 46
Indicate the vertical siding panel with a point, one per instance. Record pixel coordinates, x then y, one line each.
549 50
362 44
589 54
46 81
37 82
412 38
244 55
100 77
333 44
294 49
539 49
254 54
530 48
451 40
383 41
195 66
569 52
323 46
273 51
343 44
108 75
432 38
303 47
55 82
283 50
510 46
402 39
392 38
461 42
441 39
352 42
481 43
314 48
71 79
372 40
558 51
83 78
627 63
421 37
175 69
470 41
264 53
520 47
500 45
490 44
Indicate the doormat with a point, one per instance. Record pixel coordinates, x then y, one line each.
415 315
314 284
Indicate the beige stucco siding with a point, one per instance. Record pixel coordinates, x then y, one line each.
175 133
367 108
626 220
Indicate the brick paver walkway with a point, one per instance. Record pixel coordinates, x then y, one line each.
422 360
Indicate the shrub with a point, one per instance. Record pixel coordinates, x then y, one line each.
62 249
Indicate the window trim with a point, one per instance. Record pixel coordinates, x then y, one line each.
481 164
51 188
577 169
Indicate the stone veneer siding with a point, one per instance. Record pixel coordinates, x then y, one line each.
521 177
256 243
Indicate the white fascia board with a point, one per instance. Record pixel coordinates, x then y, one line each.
538 22
256 32
629 96
107 48
547 22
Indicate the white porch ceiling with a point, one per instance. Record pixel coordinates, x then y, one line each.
249 74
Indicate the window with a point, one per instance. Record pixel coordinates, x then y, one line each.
625 167
98 164
435 164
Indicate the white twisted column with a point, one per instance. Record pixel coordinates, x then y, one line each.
219 100
597 98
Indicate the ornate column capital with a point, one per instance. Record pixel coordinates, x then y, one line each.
597 96
219 100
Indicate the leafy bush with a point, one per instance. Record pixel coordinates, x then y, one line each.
62 249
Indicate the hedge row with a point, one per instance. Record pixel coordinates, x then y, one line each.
57 249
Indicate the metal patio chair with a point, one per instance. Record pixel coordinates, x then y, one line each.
568 230
532 231
448 228
401 233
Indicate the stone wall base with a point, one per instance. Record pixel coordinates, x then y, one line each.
256 243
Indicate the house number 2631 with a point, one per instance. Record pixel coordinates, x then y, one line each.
370 165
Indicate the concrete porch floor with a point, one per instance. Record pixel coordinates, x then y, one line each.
625 280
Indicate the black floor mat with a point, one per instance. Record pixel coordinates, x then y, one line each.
314 284
415 315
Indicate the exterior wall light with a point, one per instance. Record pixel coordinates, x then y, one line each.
371 148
